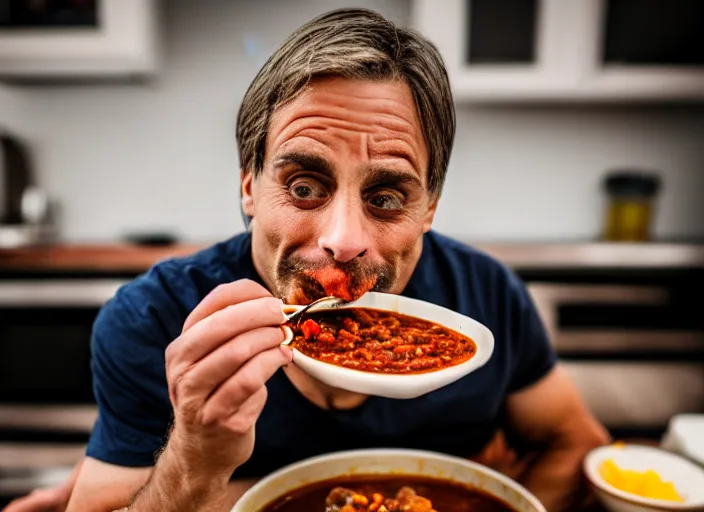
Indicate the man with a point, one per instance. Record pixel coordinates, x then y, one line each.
344 138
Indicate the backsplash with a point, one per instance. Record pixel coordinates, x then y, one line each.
162 155
12 109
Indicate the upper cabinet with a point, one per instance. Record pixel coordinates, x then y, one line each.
568 50
77 39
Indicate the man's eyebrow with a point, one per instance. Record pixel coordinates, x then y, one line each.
379 176
306 161
408 156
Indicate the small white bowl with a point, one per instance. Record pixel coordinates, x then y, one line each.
687 477
402 386
384 462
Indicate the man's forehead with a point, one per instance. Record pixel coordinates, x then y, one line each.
392 96
385 109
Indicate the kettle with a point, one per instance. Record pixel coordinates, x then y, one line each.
15 179
24 207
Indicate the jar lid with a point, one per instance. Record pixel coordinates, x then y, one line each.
629 182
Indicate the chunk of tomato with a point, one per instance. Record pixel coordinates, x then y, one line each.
310 328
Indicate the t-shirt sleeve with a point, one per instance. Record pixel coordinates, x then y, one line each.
533 354
130 335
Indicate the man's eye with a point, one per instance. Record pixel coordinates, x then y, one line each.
386 201
307 193
302 191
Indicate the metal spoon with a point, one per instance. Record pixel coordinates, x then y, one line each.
327 302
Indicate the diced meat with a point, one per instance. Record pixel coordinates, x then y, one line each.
409 501
341 499
326 337
350 325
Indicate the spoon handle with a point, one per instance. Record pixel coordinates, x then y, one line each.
330 302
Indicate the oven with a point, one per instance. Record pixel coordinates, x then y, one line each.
632 338
47 408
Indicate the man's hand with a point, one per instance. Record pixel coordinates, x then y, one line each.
54 499
217 371
553 419
499 456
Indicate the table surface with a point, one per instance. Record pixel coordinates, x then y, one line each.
120 256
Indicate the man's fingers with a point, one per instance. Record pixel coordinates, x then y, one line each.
223 296
248 413
215 368
44 500
230 396
225 324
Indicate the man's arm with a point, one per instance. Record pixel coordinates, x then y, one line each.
54 499
551 415
105 487
216 372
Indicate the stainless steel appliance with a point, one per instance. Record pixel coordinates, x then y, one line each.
47 407
626 322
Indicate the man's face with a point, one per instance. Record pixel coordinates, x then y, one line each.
343 201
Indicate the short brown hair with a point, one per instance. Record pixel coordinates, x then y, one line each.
356 44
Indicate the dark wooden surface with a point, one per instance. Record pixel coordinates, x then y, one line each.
91 257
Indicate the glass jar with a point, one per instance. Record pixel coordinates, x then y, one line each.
629 213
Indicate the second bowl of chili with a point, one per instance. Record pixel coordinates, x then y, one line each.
389 345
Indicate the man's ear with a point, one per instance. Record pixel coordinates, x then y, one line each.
246 179
430 214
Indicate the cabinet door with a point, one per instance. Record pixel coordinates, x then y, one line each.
651 49
568 50
510 50
86 39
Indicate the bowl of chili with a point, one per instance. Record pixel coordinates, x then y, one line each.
388 345
451 483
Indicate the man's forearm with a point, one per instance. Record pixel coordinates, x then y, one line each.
173 487
555 477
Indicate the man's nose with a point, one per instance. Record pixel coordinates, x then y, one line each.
345 237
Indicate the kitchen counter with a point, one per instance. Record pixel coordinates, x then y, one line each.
91 257
120 257
597 255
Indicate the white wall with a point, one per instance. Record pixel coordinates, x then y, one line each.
13 109
163 155
535 173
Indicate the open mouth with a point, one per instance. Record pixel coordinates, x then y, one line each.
336 282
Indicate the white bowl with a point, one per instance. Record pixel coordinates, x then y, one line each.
402 386
685 435
384 462
687 477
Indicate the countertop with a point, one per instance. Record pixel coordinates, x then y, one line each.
116 257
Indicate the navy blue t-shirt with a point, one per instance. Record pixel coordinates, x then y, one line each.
132 331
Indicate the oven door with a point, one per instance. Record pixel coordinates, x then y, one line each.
45 329
47 408
635 351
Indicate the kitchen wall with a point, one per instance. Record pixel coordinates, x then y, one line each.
162 155
13 108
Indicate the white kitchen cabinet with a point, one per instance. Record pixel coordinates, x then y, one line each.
91 39
568 50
